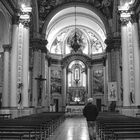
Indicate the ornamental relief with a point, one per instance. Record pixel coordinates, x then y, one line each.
79 39
46 6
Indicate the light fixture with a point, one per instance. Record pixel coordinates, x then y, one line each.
75 45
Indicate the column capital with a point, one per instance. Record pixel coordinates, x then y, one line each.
25 23
125 17
7 47
38 44
126 11
130 17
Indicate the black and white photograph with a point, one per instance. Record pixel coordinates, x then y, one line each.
69 69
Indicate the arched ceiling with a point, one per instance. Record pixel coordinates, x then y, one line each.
66 17
74 16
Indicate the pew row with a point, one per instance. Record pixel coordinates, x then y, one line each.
114 126
36 126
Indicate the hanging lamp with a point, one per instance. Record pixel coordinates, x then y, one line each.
75 45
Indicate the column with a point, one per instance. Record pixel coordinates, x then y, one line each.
128 57
25 78
35 75
113 47
113 64
64 87
125 66
43 72
5 94
136 62
49 85
89 82
47 89
105 82
38 47
13 85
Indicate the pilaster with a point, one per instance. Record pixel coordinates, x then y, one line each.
136 61
13 82
20 60
113 56
6 93
64 90
38 47
130 57
113 49
89 81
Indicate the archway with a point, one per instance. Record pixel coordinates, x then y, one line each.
76 82
59 29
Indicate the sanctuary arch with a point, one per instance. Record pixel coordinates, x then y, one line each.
77 55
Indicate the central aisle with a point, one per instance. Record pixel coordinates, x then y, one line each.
72 129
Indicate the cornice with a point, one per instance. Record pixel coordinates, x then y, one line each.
55 61
99 61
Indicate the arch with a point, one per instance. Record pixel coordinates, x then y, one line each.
84 5
76 56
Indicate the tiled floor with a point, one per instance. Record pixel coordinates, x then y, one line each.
72 129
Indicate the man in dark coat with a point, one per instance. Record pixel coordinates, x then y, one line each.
90 111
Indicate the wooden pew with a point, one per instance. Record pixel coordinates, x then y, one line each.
34 126
116 126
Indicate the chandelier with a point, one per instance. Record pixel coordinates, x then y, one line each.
75 45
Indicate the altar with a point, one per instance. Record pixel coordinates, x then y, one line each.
74 110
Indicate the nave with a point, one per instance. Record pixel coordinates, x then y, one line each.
74 128
57 126
109 126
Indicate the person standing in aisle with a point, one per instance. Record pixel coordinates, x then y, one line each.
90 112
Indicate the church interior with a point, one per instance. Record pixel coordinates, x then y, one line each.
55 54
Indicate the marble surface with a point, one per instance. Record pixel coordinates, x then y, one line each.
72 129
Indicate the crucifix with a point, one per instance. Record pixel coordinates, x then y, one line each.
40 80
